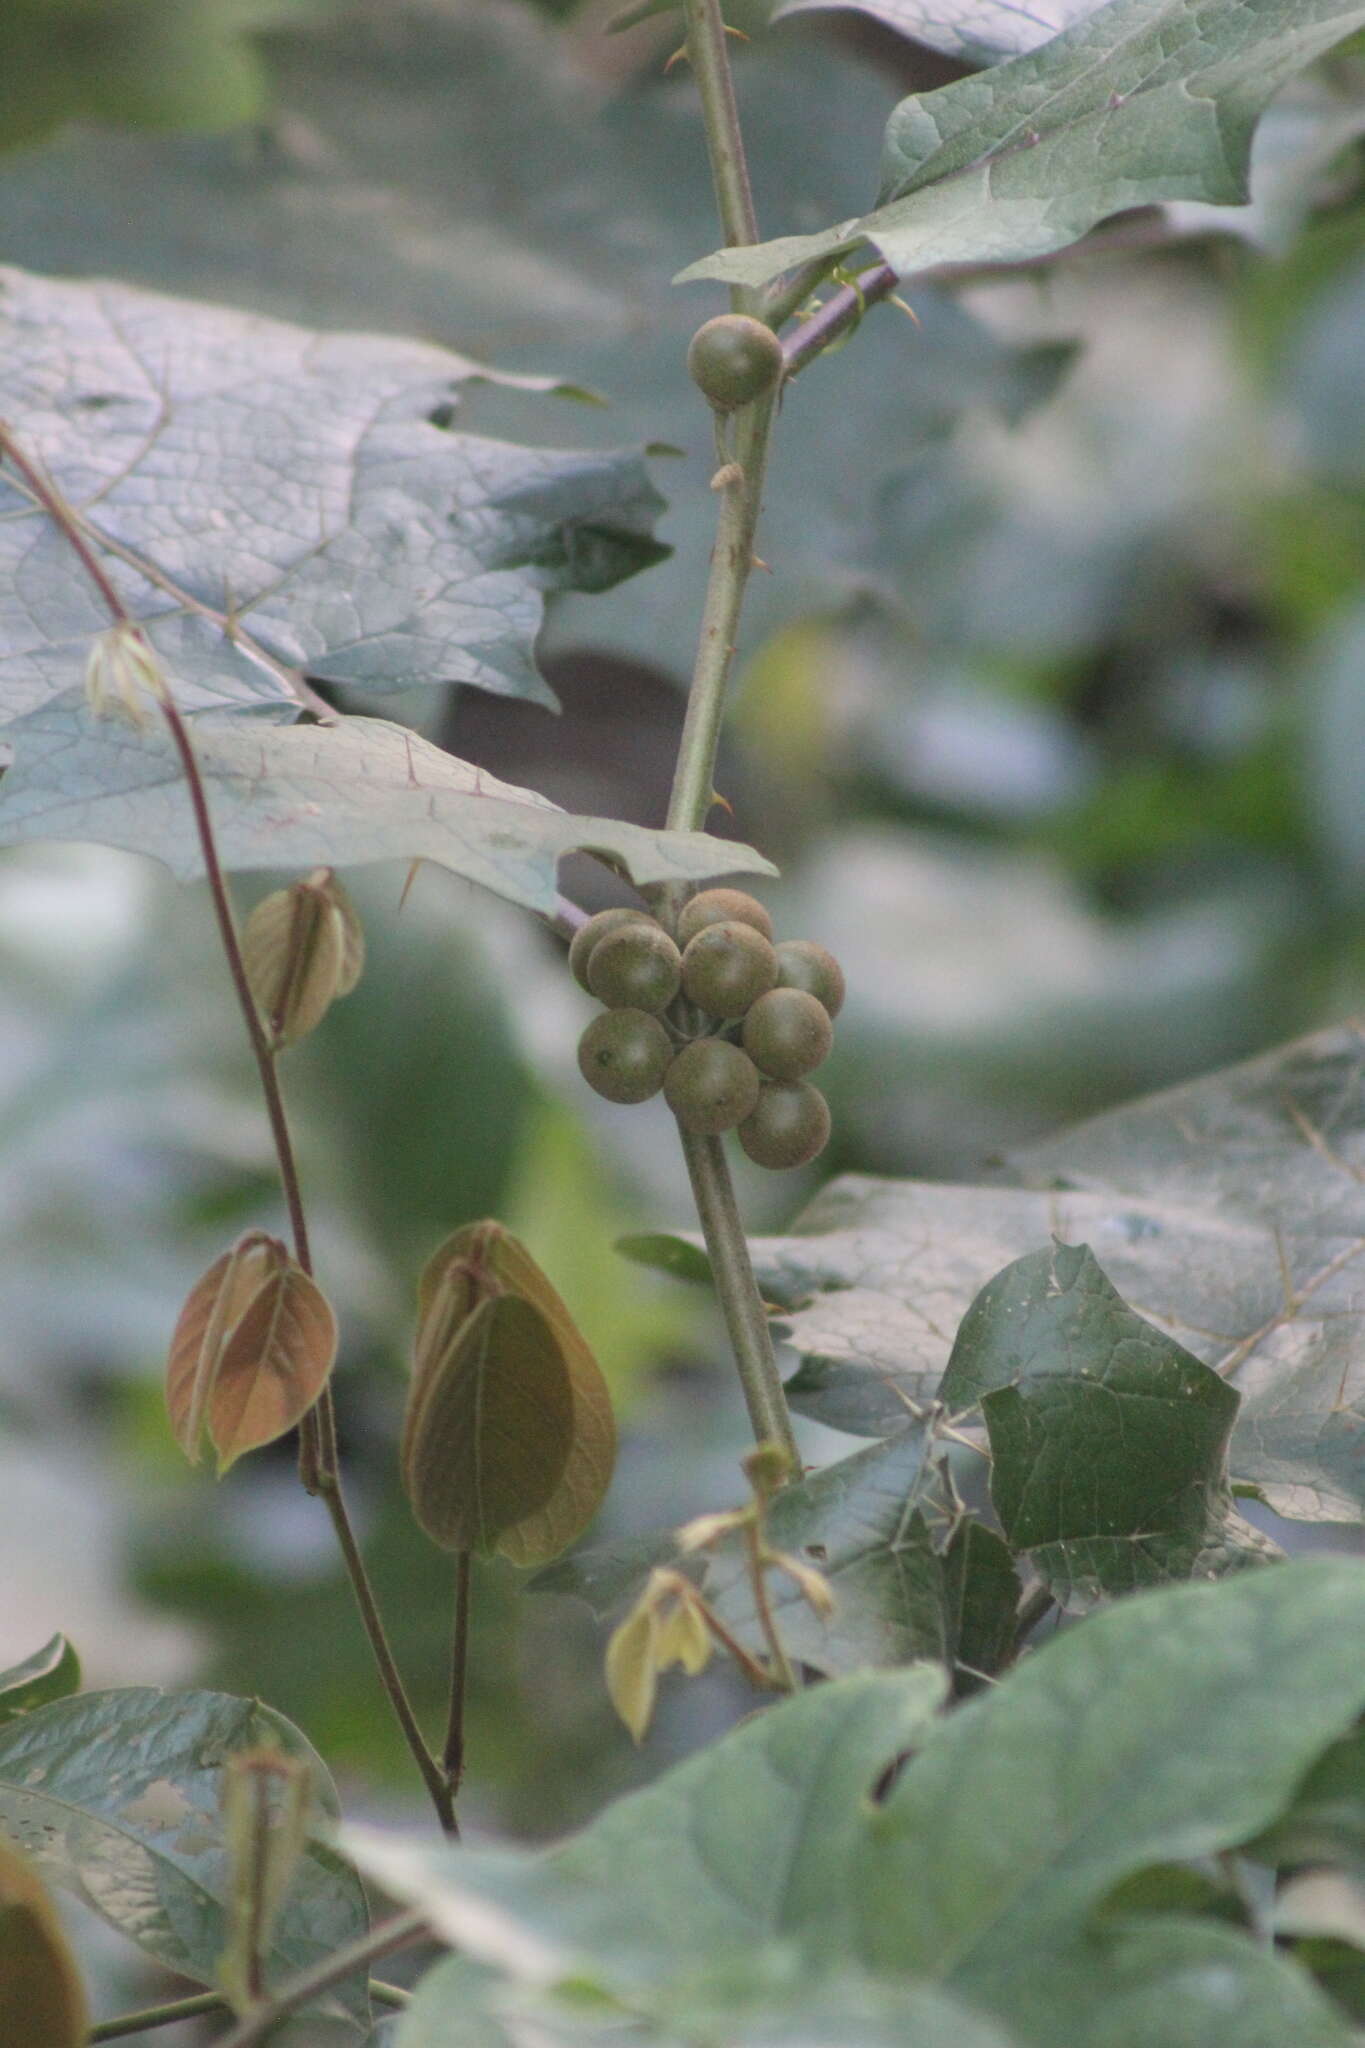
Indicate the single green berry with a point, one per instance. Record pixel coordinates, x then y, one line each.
803 964
733 360
787 1033
726 968
587 936
722 906
788 1127
624 1055
636 967
711 1086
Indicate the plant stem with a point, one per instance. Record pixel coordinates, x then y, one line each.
841 311
710 62
317 1436
380 1941
152 2016
452 1756
782 1670
746 1319
740 497
157 2016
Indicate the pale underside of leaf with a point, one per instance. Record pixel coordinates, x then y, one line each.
1228 1212
1139 102
979 31
269 500
304 796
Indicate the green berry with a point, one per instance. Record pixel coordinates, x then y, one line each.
711 1086
803 964
733 360
788 1127
726 968
722 906
624 1055
587 936
635 967
787 1033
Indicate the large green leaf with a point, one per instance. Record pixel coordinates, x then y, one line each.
1108 1439
114 1795
1141 101
978 31
389 190
1229 1212
299 795
750 1844
267 499
1166 1727
1172 1726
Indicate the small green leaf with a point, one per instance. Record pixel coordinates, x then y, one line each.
49 1674
976 31
42 1999
664 1253
875 1525
115 1797
1108 1439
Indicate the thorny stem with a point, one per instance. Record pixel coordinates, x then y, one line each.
381 1941
740 497
746 1319
318 1463
841 311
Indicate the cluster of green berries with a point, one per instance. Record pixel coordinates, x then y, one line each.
724 1021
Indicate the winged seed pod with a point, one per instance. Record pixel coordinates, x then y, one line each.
302 947
476 1264
42 1999
251 1352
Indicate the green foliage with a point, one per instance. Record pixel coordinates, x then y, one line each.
115 1797
1028 1787
983 1867
1138 102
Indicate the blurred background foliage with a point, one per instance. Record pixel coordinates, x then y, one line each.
1051 710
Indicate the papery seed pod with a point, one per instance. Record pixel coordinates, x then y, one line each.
252 1350
491 1429
302 947
42 1999
474 1265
